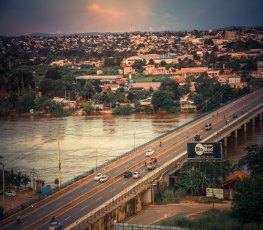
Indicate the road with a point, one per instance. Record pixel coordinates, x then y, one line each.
76 201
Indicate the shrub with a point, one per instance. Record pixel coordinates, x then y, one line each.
122 110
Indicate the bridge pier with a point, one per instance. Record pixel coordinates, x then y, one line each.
245 127
253 121
235 133
260 116
225 142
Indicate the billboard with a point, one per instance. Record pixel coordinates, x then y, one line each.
204 151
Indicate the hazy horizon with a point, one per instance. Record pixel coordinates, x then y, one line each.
115 16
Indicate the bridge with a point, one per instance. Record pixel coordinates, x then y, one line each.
88 204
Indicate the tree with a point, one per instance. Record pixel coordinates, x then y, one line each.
53 74
248 199
195 177
25 180
88 108
253 159
171 85
162 99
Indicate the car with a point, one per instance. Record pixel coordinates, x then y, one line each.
154 159
55 226
151 165
234 115
98 176
198 137
127 174
10 193
104 178
136 175
149 153
208 126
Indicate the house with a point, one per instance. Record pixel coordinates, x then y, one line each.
128 70
230 181
145 85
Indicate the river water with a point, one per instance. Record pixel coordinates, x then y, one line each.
84 142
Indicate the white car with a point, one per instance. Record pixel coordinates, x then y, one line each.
98 176
55 226
136 175
149 153
10 193
104 178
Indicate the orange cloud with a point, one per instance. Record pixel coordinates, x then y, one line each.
110 12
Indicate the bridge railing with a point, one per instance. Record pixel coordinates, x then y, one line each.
128 192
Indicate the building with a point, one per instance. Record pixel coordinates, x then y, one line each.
260 66
230 35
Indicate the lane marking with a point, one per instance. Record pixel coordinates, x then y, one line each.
124 182
99 198
84 208
67 218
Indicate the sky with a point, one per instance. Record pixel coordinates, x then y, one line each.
20 17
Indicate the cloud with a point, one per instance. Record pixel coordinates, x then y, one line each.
105 11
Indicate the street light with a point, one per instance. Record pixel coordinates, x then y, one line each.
3 185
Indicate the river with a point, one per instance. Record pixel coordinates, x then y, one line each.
84 142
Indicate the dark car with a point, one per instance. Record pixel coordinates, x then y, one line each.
198 137
234 115
127 174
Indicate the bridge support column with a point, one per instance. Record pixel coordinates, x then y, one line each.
245 127
260 116
253 121
235 133
225 142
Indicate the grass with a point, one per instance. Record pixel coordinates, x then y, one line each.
211 220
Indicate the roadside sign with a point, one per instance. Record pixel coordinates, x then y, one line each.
204 151
215 192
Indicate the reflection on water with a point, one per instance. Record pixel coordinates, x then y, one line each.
86 141
236 146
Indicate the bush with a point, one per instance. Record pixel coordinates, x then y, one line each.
213 219
171 196
122 110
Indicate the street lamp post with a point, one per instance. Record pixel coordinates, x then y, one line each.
134 140
3 185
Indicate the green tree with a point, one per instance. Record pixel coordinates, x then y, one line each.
25 180
122 110
248 199
53 74
162 99
171 85
88 108
253 159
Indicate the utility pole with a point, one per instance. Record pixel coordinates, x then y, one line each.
59 163
134 140
3 185
96 159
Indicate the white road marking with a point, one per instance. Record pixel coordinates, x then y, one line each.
99 198
67 218
84 207
124 182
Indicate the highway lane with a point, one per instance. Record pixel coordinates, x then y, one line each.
103 194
